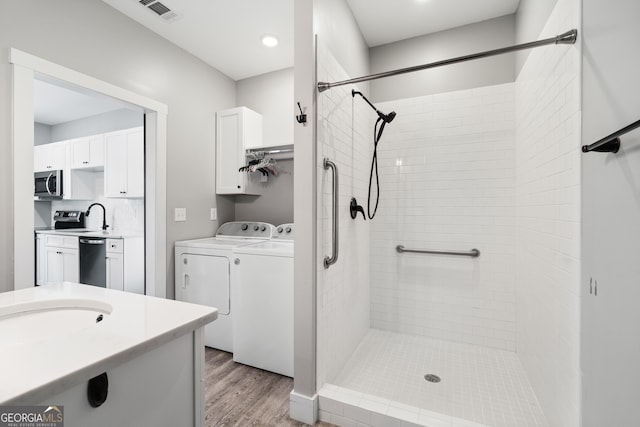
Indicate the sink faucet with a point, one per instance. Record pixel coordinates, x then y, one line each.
104 214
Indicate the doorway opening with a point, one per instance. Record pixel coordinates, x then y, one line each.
30 73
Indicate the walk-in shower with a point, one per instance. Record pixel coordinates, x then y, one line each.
417 320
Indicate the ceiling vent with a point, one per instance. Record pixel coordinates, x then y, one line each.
160 9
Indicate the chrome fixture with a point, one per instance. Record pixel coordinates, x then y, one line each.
473 253
566 38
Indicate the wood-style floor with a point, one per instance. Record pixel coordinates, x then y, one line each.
242 396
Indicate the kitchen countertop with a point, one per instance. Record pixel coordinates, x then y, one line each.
85 232
33 368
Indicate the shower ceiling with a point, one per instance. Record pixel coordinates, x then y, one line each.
385 21
226 34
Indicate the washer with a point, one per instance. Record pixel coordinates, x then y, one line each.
263 320
203 274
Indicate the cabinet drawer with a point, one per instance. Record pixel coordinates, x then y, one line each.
62 241
115 245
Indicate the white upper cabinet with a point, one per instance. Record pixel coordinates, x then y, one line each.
87 152
236 130
124 163
49 157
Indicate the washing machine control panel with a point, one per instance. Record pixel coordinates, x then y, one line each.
256 230
284 232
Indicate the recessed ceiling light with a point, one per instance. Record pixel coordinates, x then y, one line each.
269 41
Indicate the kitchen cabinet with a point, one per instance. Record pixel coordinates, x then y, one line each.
126 273
236 130
49 157
58 259
115 264
124 164
61 259
40 259
87 153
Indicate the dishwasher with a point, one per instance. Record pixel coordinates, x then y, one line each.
93 261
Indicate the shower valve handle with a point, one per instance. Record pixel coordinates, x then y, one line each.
354 208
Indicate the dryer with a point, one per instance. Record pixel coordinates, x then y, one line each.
203 274
263 320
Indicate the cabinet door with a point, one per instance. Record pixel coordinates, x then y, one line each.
135 164
87 152
229 152
115 271
124 164
48 157
115 165
70 265
80 153
54 267
41 264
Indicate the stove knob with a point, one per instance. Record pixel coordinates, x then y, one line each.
263 228
279 230
244 227
288 230
256 228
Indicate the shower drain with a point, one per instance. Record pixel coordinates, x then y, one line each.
432 378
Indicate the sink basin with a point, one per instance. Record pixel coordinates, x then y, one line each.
45 320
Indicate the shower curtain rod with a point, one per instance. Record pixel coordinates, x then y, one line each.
566 38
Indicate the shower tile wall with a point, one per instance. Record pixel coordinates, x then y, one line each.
548 227
447 181
343 289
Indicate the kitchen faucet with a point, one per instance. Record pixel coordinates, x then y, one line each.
104 214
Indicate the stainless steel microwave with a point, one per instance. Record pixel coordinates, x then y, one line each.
48 185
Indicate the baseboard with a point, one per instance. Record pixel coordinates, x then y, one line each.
303 408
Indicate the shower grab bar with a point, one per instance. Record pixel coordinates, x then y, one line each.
610 143
473 253
568 37
328 261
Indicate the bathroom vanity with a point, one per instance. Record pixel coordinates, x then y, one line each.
56 338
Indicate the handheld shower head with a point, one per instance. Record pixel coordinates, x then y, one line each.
387 118
377 134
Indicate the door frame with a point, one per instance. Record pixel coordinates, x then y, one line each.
25 68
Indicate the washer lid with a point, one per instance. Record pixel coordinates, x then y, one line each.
281 248
217 243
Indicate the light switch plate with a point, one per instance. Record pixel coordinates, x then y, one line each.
213 214
180 214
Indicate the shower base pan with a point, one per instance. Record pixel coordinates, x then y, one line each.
392 380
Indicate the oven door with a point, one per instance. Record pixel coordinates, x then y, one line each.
48 184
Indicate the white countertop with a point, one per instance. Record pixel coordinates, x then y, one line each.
33 369
85 232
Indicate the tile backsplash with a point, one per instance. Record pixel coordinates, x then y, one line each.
123 215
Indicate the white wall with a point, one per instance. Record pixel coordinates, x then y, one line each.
473 38
611 209
548 220
531 18
447 181
80 35
41 134
335 26
343 136
101 123
271 95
